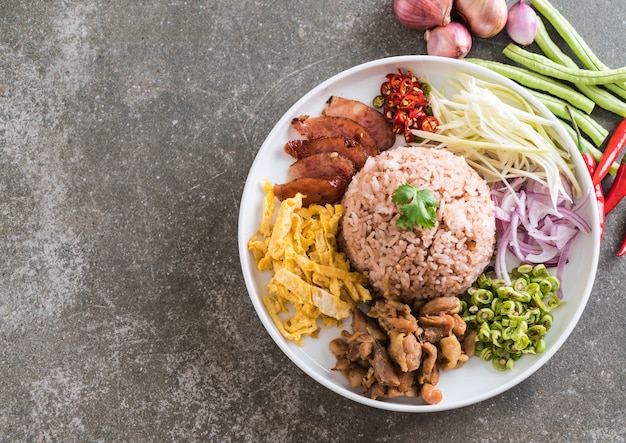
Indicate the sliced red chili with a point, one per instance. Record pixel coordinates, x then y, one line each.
406 86
412 100
405 103
395 80
394 99
386 89
430 124
399 120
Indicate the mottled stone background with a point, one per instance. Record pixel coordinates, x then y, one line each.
126 132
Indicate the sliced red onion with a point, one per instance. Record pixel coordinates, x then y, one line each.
532 228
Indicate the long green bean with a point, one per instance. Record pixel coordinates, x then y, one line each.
600 96
543 65
575 41
540 82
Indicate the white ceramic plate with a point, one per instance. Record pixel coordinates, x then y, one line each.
476 380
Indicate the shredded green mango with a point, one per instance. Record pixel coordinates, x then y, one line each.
501 135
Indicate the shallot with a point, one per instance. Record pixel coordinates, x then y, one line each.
422 14
484 18
521 24
452 40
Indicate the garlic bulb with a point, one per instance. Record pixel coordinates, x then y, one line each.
484 18
422 14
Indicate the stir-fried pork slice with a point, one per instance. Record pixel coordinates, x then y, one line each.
450 352
323 164
436 327
407 384
321 127
350 149
361 342
394 315
460 327
385 371
468 343
405 350
441 305
372 120
429 371
315 190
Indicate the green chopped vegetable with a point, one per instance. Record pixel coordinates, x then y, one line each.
511 321
418 207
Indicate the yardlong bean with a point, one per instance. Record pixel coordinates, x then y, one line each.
577 44
543 65
600 96
539 82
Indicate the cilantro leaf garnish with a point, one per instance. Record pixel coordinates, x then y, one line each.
417 206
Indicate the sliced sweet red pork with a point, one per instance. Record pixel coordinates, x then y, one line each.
317 191
322 164
368 117
326 126
348 148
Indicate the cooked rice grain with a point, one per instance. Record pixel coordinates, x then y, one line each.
422 263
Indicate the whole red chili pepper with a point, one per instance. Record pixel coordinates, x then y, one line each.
590 162
611 152
622 249
618 188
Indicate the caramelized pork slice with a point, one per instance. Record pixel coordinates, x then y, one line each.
441 305
315 190
435 327
429 371
326 126
385 371
450 352
405 350
393 316
323 164
350 149
368 117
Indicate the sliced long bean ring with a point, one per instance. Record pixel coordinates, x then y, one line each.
511 321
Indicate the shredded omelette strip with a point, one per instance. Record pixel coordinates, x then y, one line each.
311 279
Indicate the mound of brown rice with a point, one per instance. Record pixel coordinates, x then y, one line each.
422 263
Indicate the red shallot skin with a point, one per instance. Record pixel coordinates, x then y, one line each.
521 24
484 18
453 41
422 14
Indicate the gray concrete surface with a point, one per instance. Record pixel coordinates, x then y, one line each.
127 129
